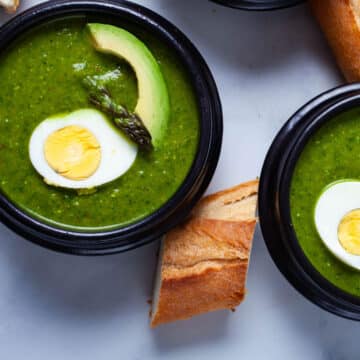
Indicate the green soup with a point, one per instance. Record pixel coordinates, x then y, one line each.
331 154
40 75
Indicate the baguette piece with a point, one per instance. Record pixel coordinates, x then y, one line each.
340 21
10 5
203 262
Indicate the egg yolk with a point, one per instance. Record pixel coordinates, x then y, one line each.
73 152
349 232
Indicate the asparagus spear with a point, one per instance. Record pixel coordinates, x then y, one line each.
128 122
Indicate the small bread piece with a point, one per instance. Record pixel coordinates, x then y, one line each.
10 5
203 263
236 203
340 21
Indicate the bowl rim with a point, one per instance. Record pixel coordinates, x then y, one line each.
251 5
211 128
274 202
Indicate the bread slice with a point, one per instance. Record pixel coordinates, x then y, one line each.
10 5
203 263
340 21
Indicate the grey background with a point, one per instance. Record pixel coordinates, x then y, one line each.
54 306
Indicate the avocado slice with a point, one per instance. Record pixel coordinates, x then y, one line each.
153 106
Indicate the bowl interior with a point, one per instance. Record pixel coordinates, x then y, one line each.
274 201
284 196
258 5
129 16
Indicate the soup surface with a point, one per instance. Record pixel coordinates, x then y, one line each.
330 155
40 76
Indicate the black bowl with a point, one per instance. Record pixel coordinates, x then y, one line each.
125 14
258 5
274 204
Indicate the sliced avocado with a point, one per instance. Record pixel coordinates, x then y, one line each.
153 106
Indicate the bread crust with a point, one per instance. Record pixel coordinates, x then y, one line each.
184 297
340 22
235 203
205 260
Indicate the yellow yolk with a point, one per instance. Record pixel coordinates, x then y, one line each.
349 232
73 152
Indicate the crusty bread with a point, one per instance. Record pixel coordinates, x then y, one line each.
10 5
340 21
203 263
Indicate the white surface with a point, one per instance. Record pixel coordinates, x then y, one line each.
58 307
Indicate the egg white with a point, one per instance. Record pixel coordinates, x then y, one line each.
117 152
334 203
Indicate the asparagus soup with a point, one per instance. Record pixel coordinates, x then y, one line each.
98 126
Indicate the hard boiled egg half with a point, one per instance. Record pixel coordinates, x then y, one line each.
337 220
80 150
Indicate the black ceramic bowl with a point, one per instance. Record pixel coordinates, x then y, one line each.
274 204
258 5
125 14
